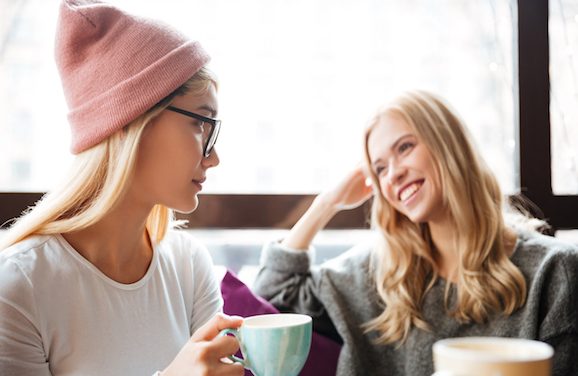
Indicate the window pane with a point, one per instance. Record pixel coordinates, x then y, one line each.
34 133
299 80
564 95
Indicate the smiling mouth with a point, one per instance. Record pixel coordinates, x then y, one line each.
410 190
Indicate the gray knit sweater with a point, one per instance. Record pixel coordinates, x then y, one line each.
340 293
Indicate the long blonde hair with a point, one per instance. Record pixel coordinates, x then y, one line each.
487 281
98 178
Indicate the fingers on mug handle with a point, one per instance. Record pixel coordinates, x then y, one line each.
212 328
233 332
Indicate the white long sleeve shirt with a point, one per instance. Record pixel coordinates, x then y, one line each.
60 315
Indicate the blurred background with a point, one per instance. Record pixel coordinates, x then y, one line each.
299 80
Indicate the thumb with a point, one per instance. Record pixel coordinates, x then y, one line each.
214 326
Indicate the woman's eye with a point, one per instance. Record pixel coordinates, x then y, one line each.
379 170
405 146
199 123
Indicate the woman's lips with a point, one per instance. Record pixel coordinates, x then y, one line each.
409 190
199 183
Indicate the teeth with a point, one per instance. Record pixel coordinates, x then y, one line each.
406 193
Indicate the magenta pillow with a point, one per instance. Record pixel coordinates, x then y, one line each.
240 300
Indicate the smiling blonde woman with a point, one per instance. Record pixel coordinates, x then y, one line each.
449 260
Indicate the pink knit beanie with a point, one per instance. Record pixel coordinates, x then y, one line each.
115 66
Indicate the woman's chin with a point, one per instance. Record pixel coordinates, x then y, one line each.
187 208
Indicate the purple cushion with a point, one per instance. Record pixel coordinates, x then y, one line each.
240 300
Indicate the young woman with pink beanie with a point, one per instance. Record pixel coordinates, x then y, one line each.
93 281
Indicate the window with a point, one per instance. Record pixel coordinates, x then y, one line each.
563 25
534 109
299 81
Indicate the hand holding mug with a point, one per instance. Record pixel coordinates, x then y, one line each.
202 354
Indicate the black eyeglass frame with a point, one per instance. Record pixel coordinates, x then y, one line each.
213 133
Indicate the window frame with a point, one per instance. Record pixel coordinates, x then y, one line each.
534 153
534 117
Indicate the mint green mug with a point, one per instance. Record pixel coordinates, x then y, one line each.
275 344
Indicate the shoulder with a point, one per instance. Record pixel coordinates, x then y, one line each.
354 259
182 257
560 262
299 261
350 271
180 243
24 247
26 263
180 248
551 266
34 253
537 241
537 254
181 238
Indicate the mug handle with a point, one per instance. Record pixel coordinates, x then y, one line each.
235 333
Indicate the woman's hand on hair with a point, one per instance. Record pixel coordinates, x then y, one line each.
352 191
202 354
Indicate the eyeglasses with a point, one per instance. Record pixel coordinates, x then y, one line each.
209 136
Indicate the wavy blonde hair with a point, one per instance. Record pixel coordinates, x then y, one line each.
98 178
403 264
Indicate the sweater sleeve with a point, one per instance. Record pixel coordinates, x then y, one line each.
21 348
288 281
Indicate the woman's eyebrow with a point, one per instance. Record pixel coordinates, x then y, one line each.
209 108
399 140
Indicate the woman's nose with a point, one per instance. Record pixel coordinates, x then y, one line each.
395 172
212 160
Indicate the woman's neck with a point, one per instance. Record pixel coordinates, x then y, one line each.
446 257
118 244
